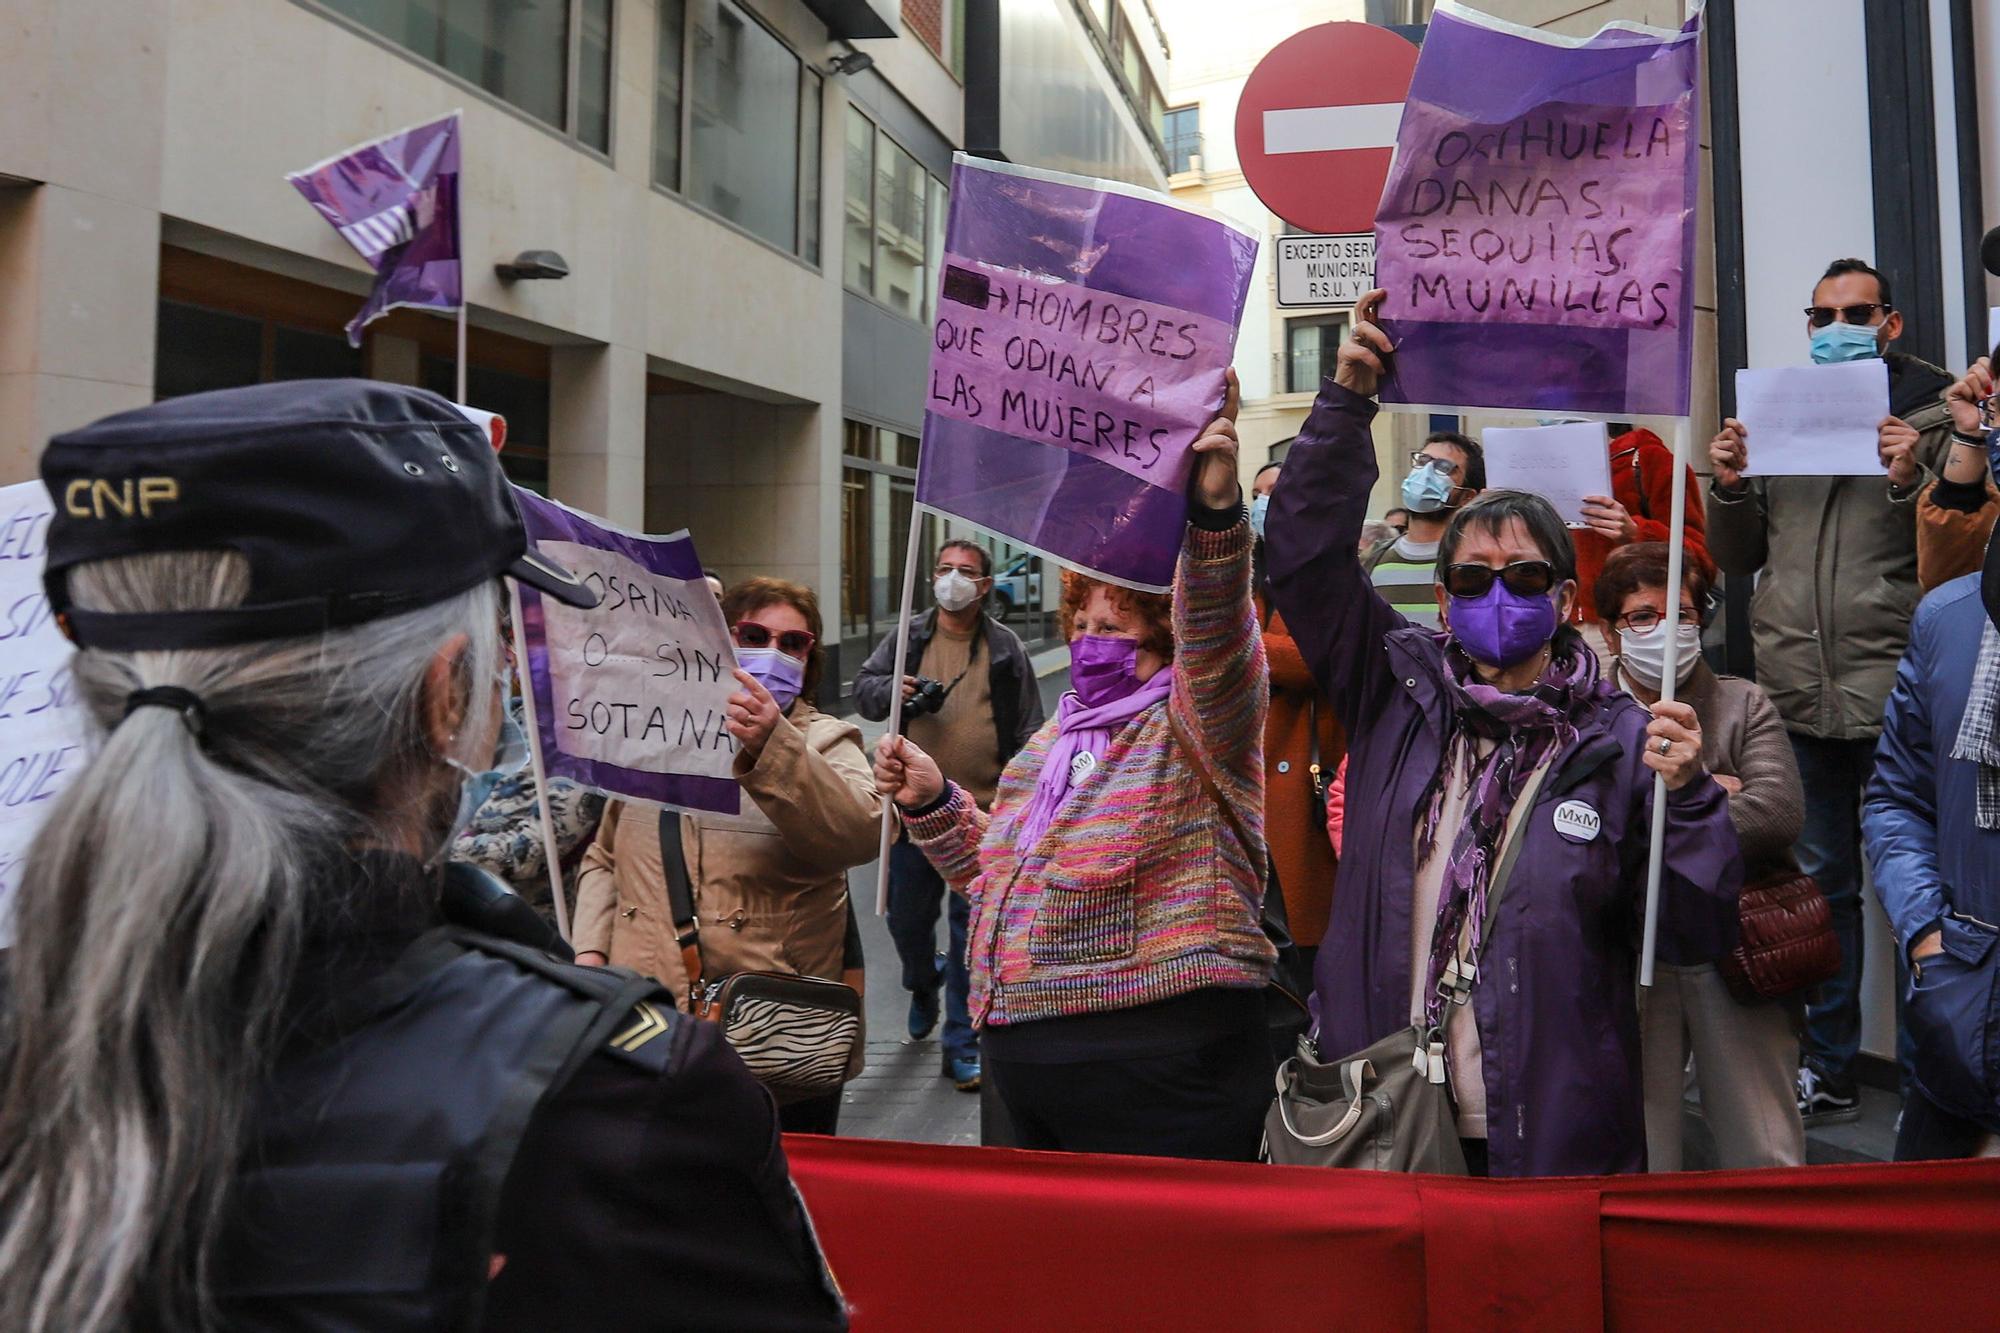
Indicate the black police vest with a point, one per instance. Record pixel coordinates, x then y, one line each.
368 1194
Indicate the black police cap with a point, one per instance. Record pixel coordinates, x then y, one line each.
350 499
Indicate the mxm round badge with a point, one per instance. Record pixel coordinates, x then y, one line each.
1577 821
1081 765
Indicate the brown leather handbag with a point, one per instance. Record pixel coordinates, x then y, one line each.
1786 944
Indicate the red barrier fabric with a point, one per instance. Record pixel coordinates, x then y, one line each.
928 1237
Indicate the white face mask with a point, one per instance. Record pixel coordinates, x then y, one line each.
1644 653
954 591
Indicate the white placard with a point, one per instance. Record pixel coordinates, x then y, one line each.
42 726
1325 270
1992 331
1561 463
1814 421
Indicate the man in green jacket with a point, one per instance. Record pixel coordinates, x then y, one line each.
1830 620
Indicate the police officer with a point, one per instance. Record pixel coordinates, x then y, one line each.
263 1060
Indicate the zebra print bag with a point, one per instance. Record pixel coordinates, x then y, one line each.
800 1036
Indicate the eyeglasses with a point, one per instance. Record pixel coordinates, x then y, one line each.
1444 465
1645 618
970 571
1530 578
1823 315
792 642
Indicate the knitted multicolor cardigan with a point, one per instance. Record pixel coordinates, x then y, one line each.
1140 890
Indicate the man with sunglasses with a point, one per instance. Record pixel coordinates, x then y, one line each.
992 704
1447 474
1498 731
1837 559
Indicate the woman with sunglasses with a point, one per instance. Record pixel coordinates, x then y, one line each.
1118 964
1496 727
769 883
1746 1056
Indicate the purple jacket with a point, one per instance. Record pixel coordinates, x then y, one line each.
1558 1025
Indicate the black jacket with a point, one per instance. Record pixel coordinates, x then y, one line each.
1017 696
463 1132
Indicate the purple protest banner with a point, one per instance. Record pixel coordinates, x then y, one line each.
1536 234
1082 334
395 200
629 697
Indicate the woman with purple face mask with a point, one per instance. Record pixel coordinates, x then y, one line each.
1117 958
1497 727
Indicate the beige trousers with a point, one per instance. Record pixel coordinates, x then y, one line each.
1746 1060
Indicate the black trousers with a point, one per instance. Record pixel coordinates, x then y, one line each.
1206 1103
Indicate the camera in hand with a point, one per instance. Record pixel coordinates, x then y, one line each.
928 697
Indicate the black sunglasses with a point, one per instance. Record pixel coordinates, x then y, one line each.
1529 578
1823 315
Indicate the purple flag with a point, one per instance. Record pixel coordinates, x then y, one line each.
395 200
1083 329
630 696
1536 234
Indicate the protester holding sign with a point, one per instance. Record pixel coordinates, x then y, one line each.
769 884
1637 510
1497 731
1837 564
1955 516
256 1070
1117 960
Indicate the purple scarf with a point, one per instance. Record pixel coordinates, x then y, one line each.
1527 731
1081 730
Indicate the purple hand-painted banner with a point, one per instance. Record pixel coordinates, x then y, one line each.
629 697
1082 334
395 200
1536 234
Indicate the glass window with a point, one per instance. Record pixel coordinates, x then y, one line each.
1102 11
1180 134
1310 345
1131 58
518 50
300 354
593 74
743 145
667 95
940 212
203 349
876 499
860 206
809 166
899 228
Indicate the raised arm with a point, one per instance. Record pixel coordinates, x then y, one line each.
1736 535
818 791
1314 528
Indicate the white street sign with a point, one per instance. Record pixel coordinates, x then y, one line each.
1327 129
1325 270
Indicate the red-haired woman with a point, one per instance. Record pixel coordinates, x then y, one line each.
1117 958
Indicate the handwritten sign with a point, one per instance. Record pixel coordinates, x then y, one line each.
42 724
1536 232
1814 421
630 696
1114 377
1082 334
1563 463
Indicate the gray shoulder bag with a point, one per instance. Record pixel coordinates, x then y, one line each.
1386 1108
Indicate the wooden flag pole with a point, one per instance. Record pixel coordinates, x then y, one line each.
1676 552
896 703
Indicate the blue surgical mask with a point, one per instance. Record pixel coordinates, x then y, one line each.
778 672
510 756
1839 342
1426 490
1259 507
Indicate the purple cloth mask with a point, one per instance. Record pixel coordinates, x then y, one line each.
778 672
1502 628
1103 668
1082 729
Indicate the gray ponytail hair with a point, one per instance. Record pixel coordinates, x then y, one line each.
159 920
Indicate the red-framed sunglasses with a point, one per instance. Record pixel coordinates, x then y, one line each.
792 642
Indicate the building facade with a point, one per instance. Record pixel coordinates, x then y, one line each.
750 215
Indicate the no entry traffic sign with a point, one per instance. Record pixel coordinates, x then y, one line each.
1316 124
